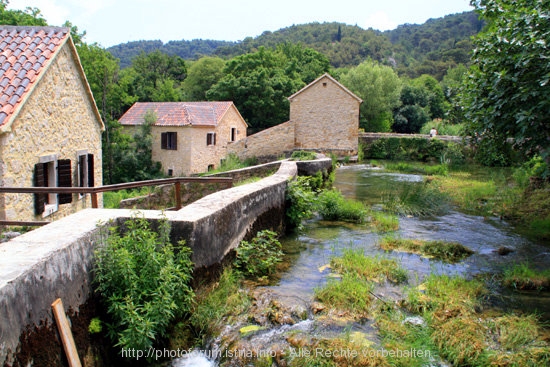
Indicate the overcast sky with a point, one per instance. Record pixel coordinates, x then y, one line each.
110 22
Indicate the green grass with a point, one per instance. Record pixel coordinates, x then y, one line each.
384 222
350 294
302 155
522 276
461 333
333 206
112 199
418 199
377 268
450 252
232 162
218 303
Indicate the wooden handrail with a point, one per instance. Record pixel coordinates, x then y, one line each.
176 181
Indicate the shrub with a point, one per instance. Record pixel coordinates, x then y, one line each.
301 201
259 257
333 206
302 155
143 281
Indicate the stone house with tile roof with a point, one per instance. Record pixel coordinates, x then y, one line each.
324 117
50 128
188 137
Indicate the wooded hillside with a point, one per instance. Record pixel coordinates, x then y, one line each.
430 48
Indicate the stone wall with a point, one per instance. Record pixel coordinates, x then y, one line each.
267 145
369 138
55 260
326 117
57 120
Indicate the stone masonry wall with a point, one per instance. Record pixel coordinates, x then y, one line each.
55 260
268 144
326 118
57 119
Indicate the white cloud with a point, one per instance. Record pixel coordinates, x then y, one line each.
380 20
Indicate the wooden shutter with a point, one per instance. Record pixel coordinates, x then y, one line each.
214 139
40 180
163 140
64 179
81 170
91 179
175 141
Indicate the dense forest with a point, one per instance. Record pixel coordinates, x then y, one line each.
430 48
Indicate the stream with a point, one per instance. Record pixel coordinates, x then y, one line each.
309 253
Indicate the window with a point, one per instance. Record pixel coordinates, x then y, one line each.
210 167
51 172
233 133
85 169
169 140
211 139
170 172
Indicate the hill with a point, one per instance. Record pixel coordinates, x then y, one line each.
429 48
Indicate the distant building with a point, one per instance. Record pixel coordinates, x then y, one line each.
50 128
324 117
188 137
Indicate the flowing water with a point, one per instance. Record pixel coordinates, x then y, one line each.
309 252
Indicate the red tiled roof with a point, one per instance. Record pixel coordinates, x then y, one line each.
177 113
24 54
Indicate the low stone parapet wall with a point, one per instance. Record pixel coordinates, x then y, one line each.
55 261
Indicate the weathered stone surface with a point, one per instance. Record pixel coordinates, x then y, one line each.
57 119
55 260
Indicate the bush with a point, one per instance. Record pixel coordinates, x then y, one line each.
302 155
143 281
259 257
333 206
301 200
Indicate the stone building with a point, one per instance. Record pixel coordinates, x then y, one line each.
324 117
50 128
188 137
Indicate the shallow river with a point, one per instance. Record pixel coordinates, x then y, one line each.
309 252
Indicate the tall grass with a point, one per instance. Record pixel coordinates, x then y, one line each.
446 251
112 199
216 302
419 199
377 268
522 276
333 206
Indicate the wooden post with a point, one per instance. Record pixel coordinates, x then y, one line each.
94 200
178 195
66 334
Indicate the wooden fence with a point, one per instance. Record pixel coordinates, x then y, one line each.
93 191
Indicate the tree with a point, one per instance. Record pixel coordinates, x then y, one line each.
507 94
379 87
201 76
413 112
260 82
158 77
30 16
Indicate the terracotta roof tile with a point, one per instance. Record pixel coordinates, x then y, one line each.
177 113
24 53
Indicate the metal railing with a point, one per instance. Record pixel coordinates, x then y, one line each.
93 191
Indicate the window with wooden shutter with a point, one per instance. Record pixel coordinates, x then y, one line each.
169 140
211 139
163 140
64 179
40 180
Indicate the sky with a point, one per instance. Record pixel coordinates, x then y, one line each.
110 22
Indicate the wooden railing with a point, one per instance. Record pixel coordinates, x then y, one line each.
93 191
